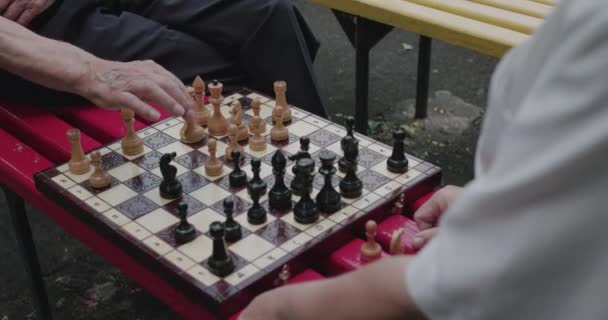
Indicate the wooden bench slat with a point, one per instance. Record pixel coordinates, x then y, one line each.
530 8
454 29
500 17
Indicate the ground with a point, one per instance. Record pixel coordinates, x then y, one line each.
83 286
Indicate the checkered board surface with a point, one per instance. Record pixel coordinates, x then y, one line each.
132 209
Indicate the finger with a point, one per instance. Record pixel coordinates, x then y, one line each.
153 93
423 237
177 92
26 17
130 101
3 5
14 10
428 214
178 88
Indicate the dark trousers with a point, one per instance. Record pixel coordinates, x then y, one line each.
239 42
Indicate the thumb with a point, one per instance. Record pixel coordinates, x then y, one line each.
423 237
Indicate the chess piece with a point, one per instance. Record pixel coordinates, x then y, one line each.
279 132
78 164
220 263
238 177
349 124
296 184
234 143
395 246
279 197
217 124
256 188
192 132
371 250
99 179
257 124
214 166
280 91
232 228
184 232
131 144
237 120
170 187
328 199
398 163
305 211
283 276
201 114
257 142
351 186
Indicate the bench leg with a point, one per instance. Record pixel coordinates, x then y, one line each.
424 70
21 225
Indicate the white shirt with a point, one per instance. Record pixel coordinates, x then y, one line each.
528 238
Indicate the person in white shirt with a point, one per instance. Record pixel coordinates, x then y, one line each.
526 239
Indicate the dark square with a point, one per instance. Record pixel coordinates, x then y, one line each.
287 178
137 207
277 213
192 160
244 160
315 157
112 160
192 181
278 232
240 206
87 186
372 180
144 182
158 140
423 167
221 289
194 206
239 262
268 158
224 182
244 233
245 102
167 236
149 161
323 138
319 181
369 158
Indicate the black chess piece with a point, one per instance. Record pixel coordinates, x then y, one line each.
238 177
170 187
184 232
305 211
279 197
351 186
349 122
232 228
328 199
256 180
220 263
256 188
296 184
398 163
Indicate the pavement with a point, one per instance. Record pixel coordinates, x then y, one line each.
83 286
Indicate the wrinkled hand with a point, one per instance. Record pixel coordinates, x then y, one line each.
263 307
114 85
23 11
427 216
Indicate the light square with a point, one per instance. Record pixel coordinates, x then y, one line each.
289 218
157 245
198 249
388 188
265 111
265 170
231 98
241 275
260 154
146 150
342 174
227 111
97 204
78 178
336 148
254 96
202 220
320 227
220 150
381 169
117 195
102 152
302 128
178 147
179 260
363 140
251 247
63 181
157 220
174 132
336 130
137 231
295 147
296 242
269 258
242 219
243 194
80 192
387 152
348 200
64 167
166 124
126 171
115 146
116 217
210 194
298 114
154 195
366 200
180 170
203 275
408 176
316 121
147 132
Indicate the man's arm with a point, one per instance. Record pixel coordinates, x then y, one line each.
108 84
374 292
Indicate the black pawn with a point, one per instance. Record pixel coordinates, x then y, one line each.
256 180
170 187
232 228
350 132
279 197
184 232
398 163
238 177
351 186
220 263
328 199
256 188
305 211
296 184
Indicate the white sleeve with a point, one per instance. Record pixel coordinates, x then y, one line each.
523 241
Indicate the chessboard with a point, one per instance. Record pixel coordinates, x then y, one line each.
138 208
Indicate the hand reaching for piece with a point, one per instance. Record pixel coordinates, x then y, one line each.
427 216
23 11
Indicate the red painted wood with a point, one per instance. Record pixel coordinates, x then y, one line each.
345 259
418 203
41 129
393 223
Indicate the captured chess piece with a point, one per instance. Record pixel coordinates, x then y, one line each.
279 197
184 232
396 247
349 124
328 199
238 177
283 276
234 143
170 187
279 132
131 144
232 228
99 179
371 250
220 263
217 124
237 120
257 124
256 188
78 164
192 132
296 184
398 163
351 186
201 114
214 166
280 91
305 211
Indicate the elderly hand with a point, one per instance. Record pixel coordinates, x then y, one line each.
23 11
427 216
